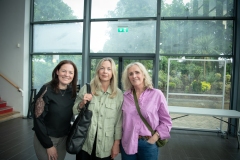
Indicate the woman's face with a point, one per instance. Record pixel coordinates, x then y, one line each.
136 77
105 72
65 74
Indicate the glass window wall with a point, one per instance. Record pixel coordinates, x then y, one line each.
197 8
43 65
200 37
55 10
191 29
55 38
123 37
123 8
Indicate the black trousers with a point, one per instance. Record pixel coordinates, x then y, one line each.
82 155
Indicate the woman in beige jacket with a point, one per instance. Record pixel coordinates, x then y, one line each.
105 131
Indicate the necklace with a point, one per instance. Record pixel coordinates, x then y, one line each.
63 92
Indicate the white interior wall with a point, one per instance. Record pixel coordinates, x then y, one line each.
14 60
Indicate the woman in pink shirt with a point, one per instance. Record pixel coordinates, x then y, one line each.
137 141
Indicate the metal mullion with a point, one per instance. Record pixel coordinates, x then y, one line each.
122 54
124 19
197 18
54 53
57 21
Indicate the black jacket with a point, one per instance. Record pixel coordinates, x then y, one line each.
56 117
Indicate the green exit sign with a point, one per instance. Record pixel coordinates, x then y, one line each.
122 29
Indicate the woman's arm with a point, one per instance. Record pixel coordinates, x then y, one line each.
165 121
39 123
115 149
118 120
79 100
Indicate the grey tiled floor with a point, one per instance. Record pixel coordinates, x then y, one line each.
16 144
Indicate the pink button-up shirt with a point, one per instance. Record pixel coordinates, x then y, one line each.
154 109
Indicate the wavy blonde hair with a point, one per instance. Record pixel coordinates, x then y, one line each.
126 82
96 84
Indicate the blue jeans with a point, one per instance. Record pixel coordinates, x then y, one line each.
146 151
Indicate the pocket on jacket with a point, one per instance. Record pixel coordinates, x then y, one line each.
111 110
109 139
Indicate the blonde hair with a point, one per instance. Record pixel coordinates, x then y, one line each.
126 82
96 84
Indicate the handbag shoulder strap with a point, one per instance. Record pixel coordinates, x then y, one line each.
43 93
88 88
88 91
139 112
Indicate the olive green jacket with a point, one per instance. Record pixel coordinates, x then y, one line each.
106 121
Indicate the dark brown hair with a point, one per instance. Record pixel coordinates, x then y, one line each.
55 81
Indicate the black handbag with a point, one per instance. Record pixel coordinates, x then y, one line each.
79 129
160 142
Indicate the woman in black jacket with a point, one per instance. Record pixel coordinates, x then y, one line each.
53 115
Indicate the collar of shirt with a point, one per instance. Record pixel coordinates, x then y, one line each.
130 91
127 92
109 91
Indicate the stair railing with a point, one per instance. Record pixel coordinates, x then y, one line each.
15 86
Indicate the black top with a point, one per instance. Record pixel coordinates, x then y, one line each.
56 117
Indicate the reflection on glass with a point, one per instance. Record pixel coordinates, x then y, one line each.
123 8
199 122
58 37
183 75
203 78
45 10
196 102
196 76
43 65
108 37
204 37
197 8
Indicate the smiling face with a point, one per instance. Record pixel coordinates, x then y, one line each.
136 77
105 72
65 75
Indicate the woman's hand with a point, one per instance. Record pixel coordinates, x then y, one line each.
115 149
52 153
153 139
87 97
